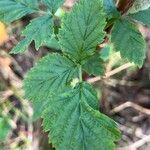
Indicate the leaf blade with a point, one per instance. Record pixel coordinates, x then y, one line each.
50 76
142 16
20 9
110 9
83 29
53 5
94 65
84 129
131 45
40 31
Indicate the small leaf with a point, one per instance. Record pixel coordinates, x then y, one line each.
53 43
94 65
53 5
142 16
49 77
15 9
74 122
83 29
39 30
127 39
110 9
105 53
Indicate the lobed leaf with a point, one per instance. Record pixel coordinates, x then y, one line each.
15 9
74 122
83 29
40 31
127 39
49 77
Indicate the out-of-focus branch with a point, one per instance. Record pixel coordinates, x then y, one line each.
124 5
132 105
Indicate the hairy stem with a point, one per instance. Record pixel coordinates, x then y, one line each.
80 73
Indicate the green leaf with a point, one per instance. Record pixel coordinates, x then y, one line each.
49 77
82 29
30 3
105 53
1 16
94 65
110 9
127 39
15 9
142 16
53 43
4 128
53 5
39 30
74 122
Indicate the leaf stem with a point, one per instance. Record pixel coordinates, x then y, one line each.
80 74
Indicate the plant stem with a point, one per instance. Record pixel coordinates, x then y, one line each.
111 73
80 74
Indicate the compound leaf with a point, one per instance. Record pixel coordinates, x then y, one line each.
142 16
74 122
49 77
53 5
15 9
40 30
82 29
127 39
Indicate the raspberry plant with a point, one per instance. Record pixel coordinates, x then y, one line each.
66 102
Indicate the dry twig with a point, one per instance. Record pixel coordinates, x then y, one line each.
130 104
